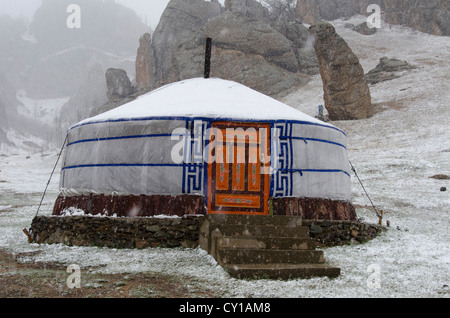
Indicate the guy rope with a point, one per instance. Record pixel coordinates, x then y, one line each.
28 232
380 215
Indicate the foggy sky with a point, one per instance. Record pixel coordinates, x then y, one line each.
151 9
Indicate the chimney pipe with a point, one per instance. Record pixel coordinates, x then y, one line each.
208 57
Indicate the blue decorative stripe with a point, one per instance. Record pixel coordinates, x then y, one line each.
208 119
194 174
272 162
315 139
123 137
130 165
205 169
315 170
284 153
183 135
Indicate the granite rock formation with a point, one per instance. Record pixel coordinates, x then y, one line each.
144 62
250 46
346 93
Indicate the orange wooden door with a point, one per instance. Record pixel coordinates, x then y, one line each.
237 178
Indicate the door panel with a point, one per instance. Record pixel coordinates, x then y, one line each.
237 183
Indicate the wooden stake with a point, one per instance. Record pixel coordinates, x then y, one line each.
30 239
380 219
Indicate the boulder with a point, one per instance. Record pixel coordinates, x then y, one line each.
364 29
387 69
346 93
118 84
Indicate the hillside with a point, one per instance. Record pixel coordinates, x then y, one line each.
43 63
395 153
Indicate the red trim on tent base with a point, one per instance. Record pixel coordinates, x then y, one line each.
147 206
131 206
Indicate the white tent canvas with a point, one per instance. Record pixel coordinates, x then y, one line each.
161 143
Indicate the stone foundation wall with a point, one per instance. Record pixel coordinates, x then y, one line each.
184 231
334 233
119 233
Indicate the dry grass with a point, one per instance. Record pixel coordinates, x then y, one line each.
49 280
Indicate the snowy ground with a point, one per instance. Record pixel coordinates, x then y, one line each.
394 153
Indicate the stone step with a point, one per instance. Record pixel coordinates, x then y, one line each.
263 242
258 256
262 230
277 220
281 271
273 247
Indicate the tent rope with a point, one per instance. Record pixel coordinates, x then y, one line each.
356 174
51 175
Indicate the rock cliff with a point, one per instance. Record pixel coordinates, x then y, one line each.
430 16
250 46
423 15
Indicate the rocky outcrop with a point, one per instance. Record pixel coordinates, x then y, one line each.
250 46
250 9
427 16
346 93
387 69
118 84
253 53
181 23
430 16
314 11
144 62
364 29
361 28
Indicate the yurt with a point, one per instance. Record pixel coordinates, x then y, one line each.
205 146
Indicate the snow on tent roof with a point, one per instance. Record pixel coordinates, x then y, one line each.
204 98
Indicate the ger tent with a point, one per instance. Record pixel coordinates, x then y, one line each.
206 146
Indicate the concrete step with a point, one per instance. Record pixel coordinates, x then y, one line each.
262 230
263 242
281 271
258 256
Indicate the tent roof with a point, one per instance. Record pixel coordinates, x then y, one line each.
204 98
